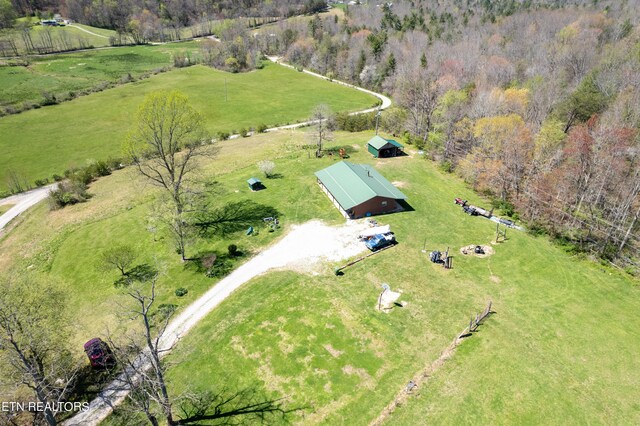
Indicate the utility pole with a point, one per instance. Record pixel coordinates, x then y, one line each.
225 89
377 119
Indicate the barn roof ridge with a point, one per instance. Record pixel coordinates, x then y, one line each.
352 184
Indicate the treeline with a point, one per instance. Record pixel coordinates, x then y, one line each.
535 105
153 18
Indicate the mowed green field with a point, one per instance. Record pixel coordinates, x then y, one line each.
38 143
66 244
561 347
73 72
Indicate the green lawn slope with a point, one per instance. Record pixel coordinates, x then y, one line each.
63 73
560 348
39 143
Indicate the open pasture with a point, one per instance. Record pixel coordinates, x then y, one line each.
75 72
39 143
561 337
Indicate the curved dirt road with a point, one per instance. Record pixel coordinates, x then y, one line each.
22 202
87 31
386 102
294 251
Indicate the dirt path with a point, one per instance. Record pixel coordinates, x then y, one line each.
87 31
420 381
22 202
386 102
305 248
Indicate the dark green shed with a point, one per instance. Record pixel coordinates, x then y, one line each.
255 184
380 147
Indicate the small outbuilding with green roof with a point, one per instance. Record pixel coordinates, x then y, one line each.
383 148
358 190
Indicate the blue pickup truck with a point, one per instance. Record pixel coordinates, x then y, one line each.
379 241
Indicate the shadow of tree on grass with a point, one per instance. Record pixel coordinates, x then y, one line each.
139 273
247 406
233 217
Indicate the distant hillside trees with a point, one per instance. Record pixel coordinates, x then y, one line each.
535 106
175 14
235 51
8 14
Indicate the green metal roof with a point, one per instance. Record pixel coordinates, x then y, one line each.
378 142
353 184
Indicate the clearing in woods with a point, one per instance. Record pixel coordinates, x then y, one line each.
562 336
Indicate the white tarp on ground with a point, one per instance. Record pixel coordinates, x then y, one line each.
387 299
375 230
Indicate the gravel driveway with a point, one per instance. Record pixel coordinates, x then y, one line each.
304 248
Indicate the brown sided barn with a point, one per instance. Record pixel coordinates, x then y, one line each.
358 190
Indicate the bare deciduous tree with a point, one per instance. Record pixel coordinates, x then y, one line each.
321 132
143 371
33 332
267 167
163 145
418 93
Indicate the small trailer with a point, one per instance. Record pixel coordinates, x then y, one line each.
368 233
477 211
255 184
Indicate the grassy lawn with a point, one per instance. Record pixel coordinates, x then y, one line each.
42 142
560 348
74 72
100 31
65 245
562 337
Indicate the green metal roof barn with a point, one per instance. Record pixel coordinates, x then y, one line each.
380 147
358 190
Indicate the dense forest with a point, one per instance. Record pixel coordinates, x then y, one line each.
536 104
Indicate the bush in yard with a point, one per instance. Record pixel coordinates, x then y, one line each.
233 249
41 182
165 310
181 291
261 128
99 168
207 261
83 175
267 167
69 192
221 268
